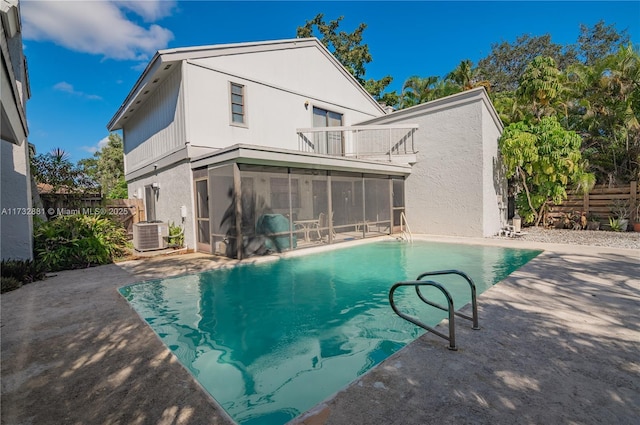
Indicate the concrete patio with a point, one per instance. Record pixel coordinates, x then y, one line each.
560 344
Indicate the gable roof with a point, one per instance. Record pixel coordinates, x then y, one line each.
164 62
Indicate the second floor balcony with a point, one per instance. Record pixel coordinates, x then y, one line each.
393 143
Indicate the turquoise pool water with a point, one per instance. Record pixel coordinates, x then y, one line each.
269 341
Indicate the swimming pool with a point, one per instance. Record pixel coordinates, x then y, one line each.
269 341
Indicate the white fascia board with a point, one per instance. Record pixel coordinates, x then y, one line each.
260 155
454 100
140 85
215 50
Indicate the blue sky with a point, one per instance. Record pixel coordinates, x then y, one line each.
85 56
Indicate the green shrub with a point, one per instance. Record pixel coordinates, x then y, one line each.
8 283
26 271
15 273
176 235
78 241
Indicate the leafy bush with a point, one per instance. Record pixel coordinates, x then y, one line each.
15 273
77 241
8 283
176 235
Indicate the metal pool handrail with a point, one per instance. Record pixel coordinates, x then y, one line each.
472 286
452 332
449 309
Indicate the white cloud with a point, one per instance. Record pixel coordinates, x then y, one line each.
93 149
98 27
63 86
149 10
104 142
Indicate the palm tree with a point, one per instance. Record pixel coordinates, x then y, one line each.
465 76
606 112
417 90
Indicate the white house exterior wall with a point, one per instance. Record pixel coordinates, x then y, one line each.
452 189
273 112
495 201
16 222
444 190
158 126
305 71
16 225
176 189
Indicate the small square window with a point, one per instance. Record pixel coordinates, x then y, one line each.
238 110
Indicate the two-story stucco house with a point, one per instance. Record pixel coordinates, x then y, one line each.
274 145
15 198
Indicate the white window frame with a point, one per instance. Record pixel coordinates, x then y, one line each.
244 122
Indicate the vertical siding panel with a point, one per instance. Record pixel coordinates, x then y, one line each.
158 126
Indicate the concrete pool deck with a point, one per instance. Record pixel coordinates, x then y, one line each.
560 343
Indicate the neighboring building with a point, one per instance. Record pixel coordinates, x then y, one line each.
15 199
266 143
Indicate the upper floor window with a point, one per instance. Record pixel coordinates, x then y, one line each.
238 107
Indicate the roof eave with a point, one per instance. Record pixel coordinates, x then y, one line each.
150 69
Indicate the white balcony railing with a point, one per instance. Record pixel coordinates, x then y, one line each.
372 141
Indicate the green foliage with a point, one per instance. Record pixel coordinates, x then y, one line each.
119 191
56 169
15 273
417 90
606 112
544 159
348 49
615 224
176 235
8 283
540 87
600 41
106 168
506 63
78 241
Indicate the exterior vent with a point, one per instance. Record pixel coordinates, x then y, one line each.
150 236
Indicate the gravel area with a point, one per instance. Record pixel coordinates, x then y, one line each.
628 240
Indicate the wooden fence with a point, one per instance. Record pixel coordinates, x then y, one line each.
601 201
127 211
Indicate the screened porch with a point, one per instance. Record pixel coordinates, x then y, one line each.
275 209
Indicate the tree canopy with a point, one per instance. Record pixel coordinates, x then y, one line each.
106 168
350 51
56 169
544 159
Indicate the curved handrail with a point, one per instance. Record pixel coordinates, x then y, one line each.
472 285
452 333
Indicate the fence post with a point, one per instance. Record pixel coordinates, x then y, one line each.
633 200
585 203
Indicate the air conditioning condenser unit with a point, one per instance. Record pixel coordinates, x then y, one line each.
150 236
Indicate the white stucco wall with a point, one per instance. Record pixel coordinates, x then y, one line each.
16 224
452 189
15 199
444 191
494 180
281 89
176 189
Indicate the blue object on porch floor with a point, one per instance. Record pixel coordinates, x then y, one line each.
278 225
